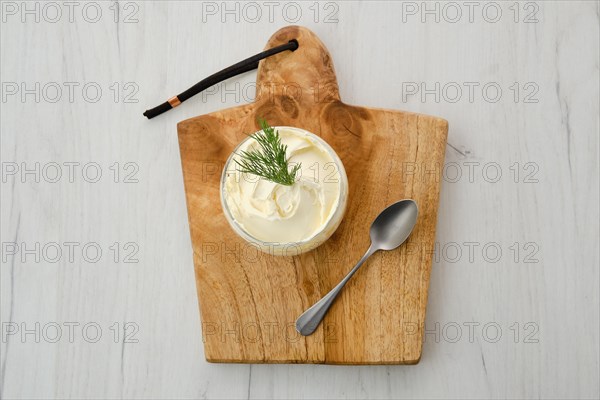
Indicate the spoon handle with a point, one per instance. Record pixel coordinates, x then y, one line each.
308 322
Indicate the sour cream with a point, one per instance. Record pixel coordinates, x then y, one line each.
305 213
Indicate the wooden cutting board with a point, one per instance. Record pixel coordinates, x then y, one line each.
249 300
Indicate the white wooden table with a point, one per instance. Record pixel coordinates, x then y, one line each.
97 292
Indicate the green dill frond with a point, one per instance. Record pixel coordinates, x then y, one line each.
270 161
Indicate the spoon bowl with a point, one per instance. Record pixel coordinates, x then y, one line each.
393 225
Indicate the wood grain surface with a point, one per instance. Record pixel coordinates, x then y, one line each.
524 325
250 300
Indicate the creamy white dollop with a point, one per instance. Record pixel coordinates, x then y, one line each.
276 213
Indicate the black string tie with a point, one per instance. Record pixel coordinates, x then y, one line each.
243 66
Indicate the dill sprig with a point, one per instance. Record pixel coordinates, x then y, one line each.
270 161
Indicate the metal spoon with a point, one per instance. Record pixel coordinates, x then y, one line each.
390 229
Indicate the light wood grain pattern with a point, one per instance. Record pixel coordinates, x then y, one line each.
375 52
379 317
